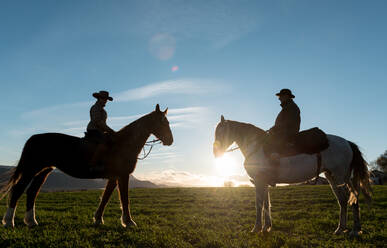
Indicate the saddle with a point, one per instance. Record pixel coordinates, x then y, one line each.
310 141
93 137
92 145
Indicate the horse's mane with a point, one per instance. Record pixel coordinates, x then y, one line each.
128 129
250 128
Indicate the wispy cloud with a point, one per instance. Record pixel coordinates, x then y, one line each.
178 86
170 87
179 118
57 109
186 110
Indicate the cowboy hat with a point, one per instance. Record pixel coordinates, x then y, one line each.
103 95
285 92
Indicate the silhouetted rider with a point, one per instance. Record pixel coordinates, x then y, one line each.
97 129
287 123
97 125
283 133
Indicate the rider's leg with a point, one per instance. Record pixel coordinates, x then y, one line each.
97 163
274 161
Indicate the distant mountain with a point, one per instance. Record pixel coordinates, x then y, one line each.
57 181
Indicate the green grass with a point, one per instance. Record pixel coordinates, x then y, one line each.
303 216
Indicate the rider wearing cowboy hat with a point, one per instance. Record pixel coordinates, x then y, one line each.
98 114
98 129
287 123
283 133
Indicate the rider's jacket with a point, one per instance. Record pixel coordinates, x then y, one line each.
98 118
287 124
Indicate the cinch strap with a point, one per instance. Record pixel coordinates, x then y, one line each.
318 167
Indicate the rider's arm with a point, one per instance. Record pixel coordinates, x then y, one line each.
98 116
287 122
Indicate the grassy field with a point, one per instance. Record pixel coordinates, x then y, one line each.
303 216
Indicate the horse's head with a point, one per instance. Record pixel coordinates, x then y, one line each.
222 137
160 126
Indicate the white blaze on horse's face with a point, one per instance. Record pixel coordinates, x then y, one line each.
222 139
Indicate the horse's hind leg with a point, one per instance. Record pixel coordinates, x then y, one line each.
32 192
342 194
356 230
110 186
16 191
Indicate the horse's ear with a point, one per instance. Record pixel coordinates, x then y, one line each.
222 119
166 112
157 108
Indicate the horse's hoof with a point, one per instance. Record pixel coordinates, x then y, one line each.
30 224
340 231
256 230
8 218
129 223
266 229
355 234
29 218
8 224
98 221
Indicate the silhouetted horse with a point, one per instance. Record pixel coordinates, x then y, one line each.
43 152
342 163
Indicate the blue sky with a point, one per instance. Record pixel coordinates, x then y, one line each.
199 58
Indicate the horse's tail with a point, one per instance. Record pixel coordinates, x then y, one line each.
15 173
361 176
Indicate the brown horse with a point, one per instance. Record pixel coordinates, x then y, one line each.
43 152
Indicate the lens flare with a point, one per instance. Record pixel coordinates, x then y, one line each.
162 46
226 166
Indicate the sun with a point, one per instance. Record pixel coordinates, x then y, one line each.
226 166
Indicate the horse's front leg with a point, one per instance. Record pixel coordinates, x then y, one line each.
110 186
126 219
259 190
266 209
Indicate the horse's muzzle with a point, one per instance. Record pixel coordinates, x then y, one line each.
167 142
217 152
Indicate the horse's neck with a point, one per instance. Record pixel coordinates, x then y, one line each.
133 137
246 136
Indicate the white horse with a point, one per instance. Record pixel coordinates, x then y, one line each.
342 163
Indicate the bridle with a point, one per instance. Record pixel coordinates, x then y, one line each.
233 149
151 144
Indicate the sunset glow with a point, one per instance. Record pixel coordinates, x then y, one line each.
226 166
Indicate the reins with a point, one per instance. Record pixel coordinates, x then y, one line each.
233 149
151 144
